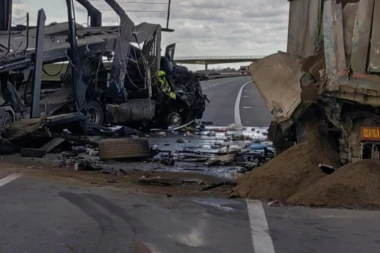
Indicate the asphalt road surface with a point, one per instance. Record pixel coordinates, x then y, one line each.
235 100
43 217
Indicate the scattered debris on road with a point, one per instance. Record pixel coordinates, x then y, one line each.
328 169
86 165
111 153
160 181
169 181
221 160
213 186
123 148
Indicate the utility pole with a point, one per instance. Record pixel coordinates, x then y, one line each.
168 17
5 25
5 14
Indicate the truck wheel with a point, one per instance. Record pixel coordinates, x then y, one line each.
123 148
5 119
174 119
95 112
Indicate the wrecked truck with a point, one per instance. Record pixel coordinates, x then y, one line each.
113 74
331 68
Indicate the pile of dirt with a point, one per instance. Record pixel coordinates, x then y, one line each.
292 170
354 185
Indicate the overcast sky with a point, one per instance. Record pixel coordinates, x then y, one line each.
202 27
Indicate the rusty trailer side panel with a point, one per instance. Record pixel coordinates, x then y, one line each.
374 61
361 36
305 25
335 56
349 17
305 17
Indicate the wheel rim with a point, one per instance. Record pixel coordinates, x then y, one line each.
174 119
94 115
7 122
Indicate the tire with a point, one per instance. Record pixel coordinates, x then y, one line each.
174 119
5 119
123 148
96 112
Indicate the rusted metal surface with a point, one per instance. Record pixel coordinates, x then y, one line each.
361 36
349 17
305 17
339 36
360 98
369 133
333 42
374 60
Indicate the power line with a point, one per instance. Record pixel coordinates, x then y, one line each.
130 10
130 2
22 18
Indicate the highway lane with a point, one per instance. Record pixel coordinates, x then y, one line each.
253 111
230 103
42 217
45 217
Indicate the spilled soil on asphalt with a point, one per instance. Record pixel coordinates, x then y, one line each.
291 171
355 185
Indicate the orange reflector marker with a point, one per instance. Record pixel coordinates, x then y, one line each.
370 133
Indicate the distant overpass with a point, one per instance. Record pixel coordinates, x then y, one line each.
208 60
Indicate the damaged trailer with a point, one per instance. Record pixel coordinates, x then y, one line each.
135 84
331 68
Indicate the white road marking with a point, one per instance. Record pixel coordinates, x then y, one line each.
9 178
237 104
262 241
247 107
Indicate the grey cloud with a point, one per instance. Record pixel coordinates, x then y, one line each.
211 27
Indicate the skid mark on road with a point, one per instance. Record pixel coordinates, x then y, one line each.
262 241
9 178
